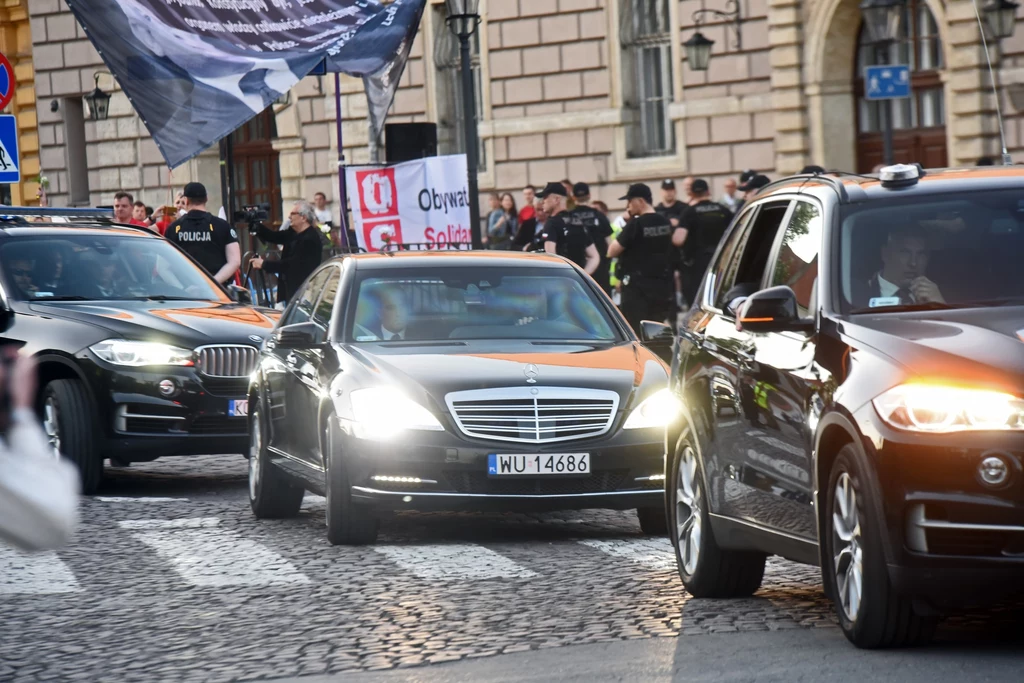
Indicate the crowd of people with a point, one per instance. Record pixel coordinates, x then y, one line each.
650 258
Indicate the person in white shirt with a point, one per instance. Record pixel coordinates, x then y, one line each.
323 214
902 279
392 304
729 200
38 490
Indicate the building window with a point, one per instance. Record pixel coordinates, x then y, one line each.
74 149
451 123
646 37
257 169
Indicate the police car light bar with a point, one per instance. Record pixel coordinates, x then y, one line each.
6 211
900 174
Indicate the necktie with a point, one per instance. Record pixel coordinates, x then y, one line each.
905 295
394 337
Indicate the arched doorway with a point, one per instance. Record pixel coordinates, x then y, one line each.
919 123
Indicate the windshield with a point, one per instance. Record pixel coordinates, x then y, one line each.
434 304
949 251
102 267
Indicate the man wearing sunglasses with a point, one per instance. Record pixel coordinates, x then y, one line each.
302 253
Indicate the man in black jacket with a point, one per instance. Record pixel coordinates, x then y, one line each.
208 239
303 250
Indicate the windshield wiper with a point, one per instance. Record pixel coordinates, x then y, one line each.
998 301
574 342
902 308
74 297
161 297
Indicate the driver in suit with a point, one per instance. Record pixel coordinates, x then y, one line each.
902 279
392 302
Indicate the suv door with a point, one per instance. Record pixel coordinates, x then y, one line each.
781 383
307 379
283 429
725 351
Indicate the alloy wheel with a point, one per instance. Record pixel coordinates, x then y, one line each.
847 546
255 448
688 512
51 425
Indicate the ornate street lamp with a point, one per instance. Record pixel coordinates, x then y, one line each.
463 19
98 101
1001 17
698 47
882 19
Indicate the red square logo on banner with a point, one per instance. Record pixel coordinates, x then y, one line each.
378 195
377 234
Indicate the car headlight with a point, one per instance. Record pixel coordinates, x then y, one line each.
657 410
382 413
937 408
137 354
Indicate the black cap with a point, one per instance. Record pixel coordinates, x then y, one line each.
195 191
668 184
580 190
553 188
812 170
755 183
699 186
747 175
638 191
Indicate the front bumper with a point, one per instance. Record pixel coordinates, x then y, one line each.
452 474
140 424
954 541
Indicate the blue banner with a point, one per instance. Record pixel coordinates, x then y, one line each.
195 70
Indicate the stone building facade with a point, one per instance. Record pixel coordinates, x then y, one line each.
592 90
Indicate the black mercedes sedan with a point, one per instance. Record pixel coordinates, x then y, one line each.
141 353
456 381
853 386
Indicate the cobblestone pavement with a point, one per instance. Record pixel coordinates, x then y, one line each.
172 579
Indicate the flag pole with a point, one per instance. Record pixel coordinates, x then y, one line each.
341 164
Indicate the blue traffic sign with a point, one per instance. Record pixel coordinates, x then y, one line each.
10 164
887 82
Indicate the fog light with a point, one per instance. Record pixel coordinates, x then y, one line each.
993 471
168 387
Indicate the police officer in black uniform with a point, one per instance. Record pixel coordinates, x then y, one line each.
563 237
208 239
646 260
597 225
700 230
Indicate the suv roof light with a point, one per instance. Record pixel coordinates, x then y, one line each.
900 175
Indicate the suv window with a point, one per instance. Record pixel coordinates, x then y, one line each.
733 240
322 314
745 269
302 310
796 265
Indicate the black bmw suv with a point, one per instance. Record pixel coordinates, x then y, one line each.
141 353
853 382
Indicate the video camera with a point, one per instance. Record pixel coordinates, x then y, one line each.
253 215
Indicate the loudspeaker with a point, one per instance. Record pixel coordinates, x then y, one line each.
409 141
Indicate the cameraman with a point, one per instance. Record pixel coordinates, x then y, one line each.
302 253
38 490
205 237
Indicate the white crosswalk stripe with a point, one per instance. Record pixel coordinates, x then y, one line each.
654 553
205 555
454 561
34 574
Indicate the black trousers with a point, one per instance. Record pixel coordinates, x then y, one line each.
641 303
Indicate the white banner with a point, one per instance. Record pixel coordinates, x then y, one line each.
422 202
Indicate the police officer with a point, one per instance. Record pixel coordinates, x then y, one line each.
670 207
700 230
596 224
563 237
208 239
646 259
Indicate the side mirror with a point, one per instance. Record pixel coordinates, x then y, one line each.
772 310
240 294
655 333
299 336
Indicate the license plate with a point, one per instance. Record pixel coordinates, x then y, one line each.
238 408
533 464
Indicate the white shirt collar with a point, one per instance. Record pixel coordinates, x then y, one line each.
886 288
387 334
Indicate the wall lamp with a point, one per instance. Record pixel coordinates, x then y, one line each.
698 47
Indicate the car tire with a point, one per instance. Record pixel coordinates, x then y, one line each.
70 424
652 521
707 571
871 613
347 522
271 494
